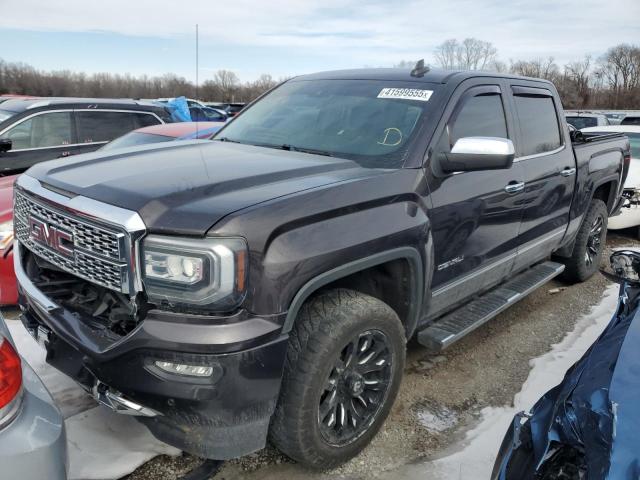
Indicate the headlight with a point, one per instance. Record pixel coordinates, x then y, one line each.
6 234
195 272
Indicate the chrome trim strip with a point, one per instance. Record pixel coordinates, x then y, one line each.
543 154
59 146
98 213
27 285
520 250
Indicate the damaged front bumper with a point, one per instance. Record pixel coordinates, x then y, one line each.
586 427
222 415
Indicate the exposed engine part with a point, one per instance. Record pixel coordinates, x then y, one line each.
114 311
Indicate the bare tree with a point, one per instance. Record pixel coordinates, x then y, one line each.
470 54
447 54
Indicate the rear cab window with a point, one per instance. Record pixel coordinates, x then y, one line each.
538 119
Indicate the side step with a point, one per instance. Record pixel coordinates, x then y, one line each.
455 325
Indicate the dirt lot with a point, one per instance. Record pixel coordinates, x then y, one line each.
441 395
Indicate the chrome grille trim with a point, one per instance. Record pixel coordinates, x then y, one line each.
106 238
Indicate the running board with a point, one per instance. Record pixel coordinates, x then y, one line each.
455 325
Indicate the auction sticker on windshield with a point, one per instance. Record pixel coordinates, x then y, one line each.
406 94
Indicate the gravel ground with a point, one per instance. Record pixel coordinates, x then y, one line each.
441 395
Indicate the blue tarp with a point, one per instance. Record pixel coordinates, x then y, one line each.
179 109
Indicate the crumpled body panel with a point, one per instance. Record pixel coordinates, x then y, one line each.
588 427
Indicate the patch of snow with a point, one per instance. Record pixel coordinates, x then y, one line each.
101 444
105 445
475 457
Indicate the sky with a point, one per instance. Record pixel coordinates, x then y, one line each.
290 37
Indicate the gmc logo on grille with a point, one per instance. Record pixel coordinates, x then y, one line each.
56 239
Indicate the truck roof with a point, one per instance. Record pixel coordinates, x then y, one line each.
434 75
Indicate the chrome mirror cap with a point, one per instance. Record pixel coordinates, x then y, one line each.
484 146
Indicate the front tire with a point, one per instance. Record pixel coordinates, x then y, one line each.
343 369
589 244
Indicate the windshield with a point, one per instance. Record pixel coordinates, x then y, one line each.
583 122
372 122
136 138
4 114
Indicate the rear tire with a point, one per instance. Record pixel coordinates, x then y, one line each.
343 368
589 244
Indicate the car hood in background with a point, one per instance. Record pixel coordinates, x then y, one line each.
186 188
586 427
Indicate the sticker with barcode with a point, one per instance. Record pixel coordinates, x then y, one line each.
406 94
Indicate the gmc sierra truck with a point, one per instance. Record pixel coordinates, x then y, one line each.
263 285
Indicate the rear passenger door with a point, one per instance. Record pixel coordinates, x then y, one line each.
98 127
549 173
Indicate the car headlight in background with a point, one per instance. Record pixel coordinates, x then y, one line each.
195 272
6 234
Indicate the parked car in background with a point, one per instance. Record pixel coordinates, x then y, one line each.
35 130
33 442
629 215
190 101
207 114
582 120
264 284
631 119
8 284
5 97
614 117
165 133
232 109
587 426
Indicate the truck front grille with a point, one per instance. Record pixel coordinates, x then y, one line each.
97 253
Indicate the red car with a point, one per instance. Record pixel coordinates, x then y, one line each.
8 286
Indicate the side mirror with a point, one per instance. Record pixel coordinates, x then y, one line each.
5 145
478 153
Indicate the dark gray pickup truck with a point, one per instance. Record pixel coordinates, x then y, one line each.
264 284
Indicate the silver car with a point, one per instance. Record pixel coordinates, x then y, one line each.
32 435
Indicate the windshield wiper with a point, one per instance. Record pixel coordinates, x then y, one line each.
312 151
227 139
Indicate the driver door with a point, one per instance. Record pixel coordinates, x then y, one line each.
476 215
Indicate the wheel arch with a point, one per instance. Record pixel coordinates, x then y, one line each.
409 255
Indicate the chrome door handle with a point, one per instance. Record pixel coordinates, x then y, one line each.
567 172
514 187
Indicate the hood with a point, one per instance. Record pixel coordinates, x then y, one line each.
186 188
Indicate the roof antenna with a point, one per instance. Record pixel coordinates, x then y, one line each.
420 69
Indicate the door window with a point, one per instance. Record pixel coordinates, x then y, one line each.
539 126
96 126
41 131
480 116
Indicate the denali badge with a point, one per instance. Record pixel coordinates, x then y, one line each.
56 239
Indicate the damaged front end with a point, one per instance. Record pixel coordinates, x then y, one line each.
586 427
